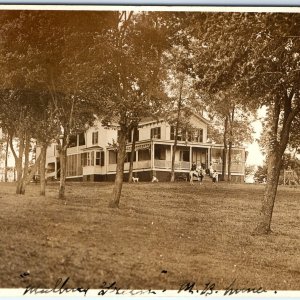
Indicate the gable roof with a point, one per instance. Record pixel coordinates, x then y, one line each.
151 120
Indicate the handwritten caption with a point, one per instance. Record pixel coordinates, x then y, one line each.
187 288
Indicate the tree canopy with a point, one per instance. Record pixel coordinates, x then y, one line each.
59 69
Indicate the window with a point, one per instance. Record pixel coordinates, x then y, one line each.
128 155
85 159
137 135
194 135
184 155
92 158
112 157
155 133
172 133
81 139
180 134
95 138
99 158
72 141
197 135
160 152
144 155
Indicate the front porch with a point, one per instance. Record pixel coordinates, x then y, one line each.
156 155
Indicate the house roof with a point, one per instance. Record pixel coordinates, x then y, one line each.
151 120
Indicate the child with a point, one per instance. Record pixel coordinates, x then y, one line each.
211 170
214 176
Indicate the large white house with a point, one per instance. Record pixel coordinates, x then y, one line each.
92 156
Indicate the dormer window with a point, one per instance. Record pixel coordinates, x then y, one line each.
95 138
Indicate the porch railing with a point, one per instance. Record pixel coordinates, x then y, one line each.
235 167
166 164
137 165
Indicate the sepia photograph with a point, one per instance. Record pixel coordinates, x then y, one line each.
149 150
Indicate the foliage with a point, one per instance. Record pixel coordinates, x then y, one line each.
261 173
126 84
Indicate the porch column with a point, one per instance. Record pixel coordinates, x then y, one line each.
55 168
152 154
191 156
106 160
207 158
171 156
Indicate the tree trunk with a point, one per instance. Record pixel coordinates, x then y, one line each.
6 158
230 144
19 167
33 170
18 163
229 160
224 156
43 170
176 132
26 166
274 165
275 159
63 172
114 203
173 158
134 138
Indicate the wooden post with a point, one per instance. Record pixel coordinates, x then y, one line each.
191 156
171 153
152 155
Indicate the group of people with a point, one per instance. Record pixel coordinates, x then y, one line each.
199 172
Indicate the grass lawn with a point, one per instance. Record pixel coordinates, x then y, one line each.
196 233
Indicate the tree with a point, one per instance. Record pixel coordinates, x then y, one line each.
68 65
261 173
127 85
55 64
273 78
219 52
259 55
21 124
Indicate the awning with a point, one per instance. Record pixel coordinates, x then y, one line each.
93 148
138 147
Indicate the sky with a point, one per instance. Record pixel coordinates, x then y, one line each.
255 156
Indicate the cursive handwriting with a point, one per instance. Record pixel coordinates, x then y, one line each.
59 288
208 289
190 287
234 291
113 288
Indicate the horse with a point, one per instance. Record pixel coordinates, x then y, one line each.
196 173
